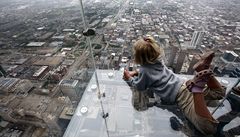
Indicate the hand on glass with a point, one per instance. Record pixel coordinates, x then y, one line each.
126 75
133 73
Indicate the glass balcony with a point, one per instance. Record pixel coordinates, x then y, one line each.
55 81
123 120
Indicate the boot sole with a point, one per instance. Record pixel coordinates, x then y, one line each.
203 60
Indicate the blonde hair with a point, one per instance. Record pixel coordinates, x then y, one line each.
146 51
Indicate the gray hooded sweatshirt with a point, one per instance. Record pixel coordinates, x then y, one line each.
159 79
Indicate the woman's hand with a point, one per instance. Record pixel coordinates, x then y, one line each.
126 75
133 73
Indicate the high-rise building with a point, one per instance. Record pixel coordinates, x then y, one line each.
230 56
180 60
170 55
2 71
192 63
227 63
192 58
197 38
70 88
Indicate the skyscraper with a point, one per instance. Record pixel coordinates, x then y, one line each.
197 38
170 53
2 71
180 60
192 63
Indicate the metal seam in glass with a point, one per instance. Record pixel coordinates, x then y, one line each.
94 66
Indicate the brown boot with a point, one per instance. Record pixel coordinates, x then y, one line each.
236 90
204 61
200 80
214 84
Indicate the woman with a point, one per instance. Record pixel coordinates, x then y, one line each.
154 76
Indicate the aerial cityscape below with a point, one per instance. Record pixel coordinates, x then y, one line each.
46 64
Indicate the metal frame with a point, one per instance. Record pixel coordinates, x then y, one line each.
221 103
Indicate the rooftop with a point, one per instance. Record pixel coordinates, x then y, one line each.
35 44
40 71
70 83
